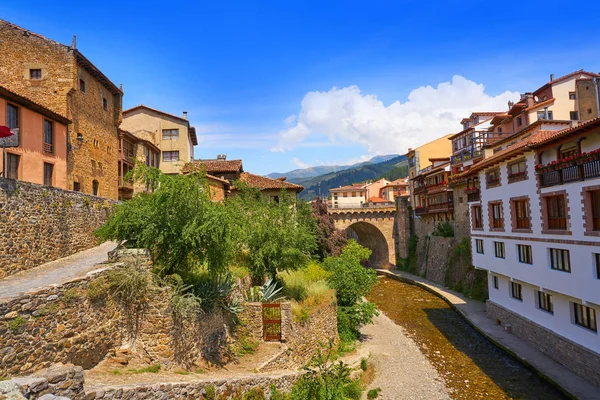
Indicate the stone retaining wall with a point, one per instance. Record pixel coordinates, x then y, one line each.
573 356
58 380
41 223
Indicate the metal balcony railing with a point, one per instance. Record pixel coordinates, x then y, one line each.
573 173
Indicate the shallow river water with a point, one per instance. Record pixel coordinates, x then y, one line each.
472 367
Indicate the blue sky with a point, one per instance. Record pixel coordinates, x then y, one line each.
283 84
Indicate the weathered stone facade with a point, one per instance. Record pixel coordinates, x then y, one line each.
588 92
59 380
577 358
374 228
94 106
41 223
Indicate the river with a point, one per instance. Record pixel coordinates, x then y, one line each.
472 367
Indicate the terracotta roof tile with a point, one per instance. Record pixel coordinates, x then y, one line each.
263 182
213 167
375 199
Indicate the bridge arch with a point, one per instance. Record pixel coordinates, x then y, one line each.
370 236
373 227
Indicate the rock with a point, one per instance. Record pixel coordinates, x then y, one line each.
11 315
52 297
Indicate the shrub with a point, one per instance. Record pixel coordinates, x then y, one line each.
363 364
96 290
16 323
210 392
299 313
245 345
373 393
130 285
351 318
444 229
70 295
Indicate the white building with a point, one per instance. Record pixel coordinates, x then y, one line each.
536 230
351 196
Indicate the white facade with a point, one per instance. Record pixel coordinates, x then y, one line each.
581 285
348 197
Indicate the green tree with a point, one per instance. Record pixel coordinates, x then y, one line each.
178 222
275 235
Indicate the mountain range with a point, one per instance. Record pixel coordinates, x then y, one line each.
390 168
305 173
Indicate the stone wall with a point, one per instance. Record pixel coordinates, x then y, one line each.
41 223
573 356
57 380
305 339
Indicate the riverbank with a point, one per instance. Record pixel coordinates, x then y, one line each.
473 312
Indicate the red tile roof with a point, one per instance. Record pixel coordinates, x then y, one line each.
357 186
375 199
264 183
544 140
564 77
214 167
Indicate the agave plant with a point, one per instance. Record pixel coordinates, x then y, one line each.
267 293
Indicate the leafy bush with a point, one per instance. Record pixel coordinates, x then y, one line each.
363 364
299 313
349 278
351 318
373 393
443 229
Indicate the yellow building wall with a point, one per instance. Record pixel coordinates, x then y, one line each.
143 122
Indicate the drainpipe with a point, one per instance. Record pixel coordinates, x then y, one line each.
596 83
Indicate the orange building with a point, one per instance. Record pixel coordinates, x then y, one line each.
41 155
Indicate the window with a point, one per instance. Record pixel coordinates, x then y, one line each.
595 197
524 252
35 74
568 151
353 194
170 134
77 186
585 316
557 218
574 115
495 279
572 96
521 209
499 249
48 169
544 301
345 194
499 130
82 85
96 143
597 262
559 260
519 121
542 115
479 246
169 156
477 219
95 187
48 136
496 213
104 104
516 291
493 177
517 169
12 116
12 167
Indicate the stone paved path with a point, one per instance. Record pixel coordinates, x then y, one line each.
401 370
474 312
55 272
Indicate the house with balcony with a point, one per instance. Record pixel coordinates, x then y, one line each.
133 149
394 189
535 227
433 198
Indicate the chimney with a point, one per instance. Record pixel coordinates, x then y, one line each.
74 42
529 99
185 115
221 157
551 77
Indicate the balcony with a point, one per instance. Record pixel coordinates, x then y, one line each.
419 189
473 194
420 210
572 173
441 207
125 184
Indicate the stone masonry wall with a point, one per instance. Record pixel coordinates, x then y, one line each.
58 380
573 356
305 339
41 223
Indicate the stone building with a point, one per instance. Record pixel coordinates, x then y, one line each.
41 152
131 150
173 135
60 78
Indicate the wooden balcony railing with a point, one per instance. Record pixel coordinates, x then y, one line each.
473 196
441 207
573 173
420 210
125 184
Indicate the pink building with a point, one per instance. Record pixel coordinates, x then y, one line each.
41 156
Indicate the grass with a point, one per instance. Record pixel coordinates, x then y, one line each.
200 371
70 295
16 323
307 290
153 369
363 364
244 346
373 393
96 289
116 372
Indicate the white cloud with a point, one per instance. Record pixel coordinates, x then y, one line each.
300 164
348 116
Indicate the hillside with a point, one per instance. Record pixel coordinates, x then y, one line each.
297 175
391 169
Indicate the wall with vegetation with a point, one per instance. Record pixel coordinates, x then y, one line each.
41 223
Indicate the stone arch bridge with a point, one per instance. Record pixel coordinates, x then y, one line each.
373 227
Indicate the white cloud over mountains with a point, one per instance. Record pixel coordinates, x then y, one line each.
347 115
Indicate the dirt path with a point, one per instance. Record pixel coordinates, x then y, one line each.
401 370
55 272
